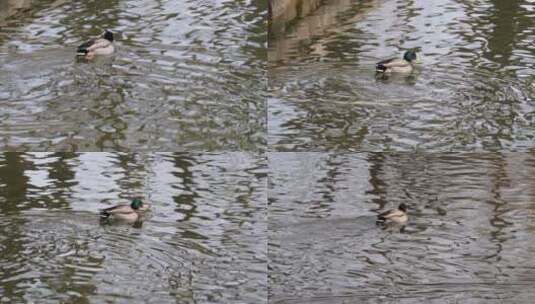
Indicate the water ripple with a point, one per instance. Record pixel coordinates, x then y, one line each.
472 92
201 240
181 69
468 235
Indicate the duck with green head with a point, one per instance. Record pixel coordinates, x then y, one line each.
127 213
396 65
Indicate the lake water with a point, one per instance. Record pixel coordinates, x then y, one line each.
474 90
186 76
203 242
470 236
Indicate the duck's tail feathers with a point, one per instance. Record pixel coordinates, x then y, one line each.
82 48
104 213
380 68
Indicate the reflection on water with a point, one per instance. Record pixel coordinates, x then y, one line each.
205 241
470 236
473 91
187 75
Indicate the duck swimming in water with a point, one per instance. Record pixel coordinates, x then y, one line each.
395 65
102 45
126 213
398 216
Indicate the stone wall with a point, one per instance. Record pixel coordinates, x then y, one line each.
287 10
10 7
314 28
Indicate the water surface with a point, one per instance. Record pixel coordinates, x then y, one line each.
474 90
203 242
187 75
470 236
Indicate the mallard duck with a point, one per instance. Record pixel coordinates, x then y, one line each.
127 213
102 45
395 65
398 216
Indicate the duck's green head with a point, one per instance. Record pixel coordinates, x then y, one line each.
108 36
410 55
136 203
402 207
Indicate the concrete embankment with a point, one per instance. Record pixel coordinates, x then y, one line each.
287 10
293 23
11 7
283 12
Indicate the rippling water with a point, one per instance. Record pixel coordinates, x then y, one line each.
203 243
470 237
473 91
187 75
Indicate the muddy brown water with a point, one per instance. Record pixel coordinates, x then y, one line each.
473 90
